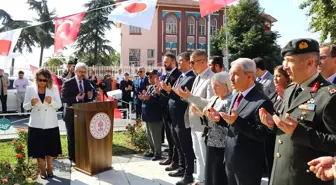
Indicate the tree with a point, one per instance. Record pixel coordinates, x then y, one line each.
57 62
322 15
91 43
44 31
247 34
27 38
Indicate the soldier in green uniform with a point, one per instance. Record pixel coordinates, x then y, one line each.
306 124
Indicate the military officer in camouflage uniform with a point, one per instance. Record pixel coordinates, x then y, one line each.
306 124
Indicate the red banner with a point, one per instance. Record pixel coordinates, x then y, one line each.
66 30
209 6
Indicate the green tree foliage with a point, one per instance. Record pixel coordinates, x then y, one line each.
45 31
55 62
322 15
247 34
27 38
92 46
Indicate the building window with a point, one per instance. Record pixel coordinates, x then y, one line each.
135 30
201 27
171 25
213 26
150 53
191 26
172 51
134 55
150 63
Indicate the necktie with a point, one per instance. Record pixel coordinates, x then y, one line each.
198 78
81 86
239 98
167 77
297 92
179 80
258 79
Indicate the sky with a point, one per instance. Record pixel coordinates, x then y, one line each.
292 22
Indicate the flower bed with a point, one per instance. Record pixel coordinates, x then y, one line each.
138 135
25 170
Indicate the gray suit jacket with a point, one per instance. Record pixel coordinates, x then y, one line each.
5 84
200 93
268 84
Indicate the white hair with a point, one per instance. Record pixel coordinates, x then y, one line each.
223 78
81 65
246 64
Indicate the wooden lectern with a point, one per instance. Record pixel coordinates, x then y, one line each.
93 136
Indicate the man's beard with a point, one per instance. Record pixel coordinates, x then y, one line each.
168 68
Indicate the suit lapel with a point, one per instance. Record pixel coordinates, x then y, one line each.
201 81
233 101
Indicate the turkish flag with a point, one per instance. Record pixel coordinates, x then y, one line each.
33 68
209 6
8 41
138 13
66 30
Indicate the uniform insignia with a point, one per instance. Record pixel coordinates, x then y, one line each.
311 101
303 45
307 106
332 91
315 87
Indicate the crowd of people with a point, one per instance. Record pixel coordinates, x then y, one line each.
237 126
246 124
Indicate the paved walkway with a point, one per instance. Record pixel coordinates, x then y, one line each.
127 170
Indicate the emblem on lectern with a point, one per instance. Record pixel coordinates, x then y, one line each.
100 125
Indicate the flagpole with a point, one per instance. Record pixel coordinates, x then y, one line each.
226 62
209 37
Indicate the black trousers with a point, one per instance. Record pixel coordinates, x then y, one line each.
3 99
138 110
252 177
172 153
70 128
183 143
214 167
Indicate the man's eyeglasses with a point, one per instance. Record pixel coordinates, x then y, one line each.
140 71
42 80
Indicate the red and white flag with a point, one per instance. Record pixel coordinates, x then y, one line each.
8 41
33 69
66 30
138 13
209 6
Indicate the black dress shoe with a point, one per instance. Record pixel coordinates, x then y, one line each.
166 162
43 176
179 173
155 158
149 154
185 180
172 167
166 150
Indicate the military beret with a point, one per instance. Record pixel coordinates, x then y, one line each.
300 46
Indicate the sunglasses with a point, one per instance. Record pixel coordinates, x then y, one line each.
196 61
42 80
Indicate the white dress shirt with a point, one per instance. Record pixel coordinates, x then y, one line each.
244 93
331 78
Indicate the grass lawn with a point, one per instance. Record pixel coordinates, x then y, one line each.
122 145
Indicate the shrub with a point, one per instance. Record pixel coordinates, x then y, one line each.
24 171
138 135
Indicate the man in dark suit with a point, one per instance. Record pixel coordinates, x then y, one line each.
75 90
306 125
170 78
177 110
264 77
140 87
327 64
244 151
